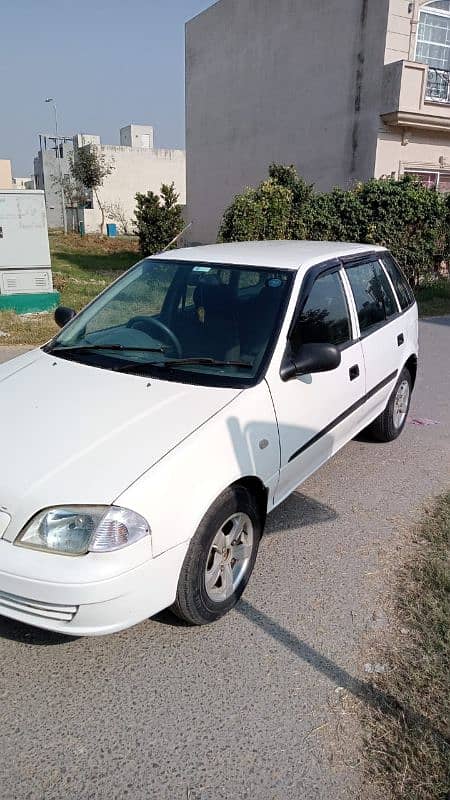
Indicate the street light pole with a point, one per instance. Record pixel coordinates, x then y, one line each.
58 158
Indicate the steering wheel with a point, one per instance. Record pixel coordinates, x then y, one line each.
141 323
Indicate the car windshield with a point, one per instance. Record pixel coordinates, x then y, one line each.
212 324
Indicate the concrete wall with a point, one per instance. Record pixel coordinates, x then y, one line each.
46 170
399 32
402 29
136 170
397 152
292 81
5 174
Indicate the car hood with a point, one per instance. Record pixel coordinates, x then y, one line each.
72 433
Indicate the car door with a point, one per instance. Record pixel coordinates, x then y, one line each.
381 326
318 413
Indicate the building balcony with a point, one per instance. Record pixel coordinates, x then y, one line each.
438 85
416 96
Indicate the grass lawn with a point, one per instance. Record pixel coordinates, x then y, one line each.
407 728
82 267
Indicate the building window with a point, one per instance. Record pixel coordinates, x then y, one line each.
433 48
432 179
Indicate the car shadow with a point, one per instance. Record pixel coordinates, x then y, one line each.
366 692
28 634
297 509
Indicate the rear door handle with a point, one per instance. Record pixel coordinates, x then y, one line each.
354 372
400 339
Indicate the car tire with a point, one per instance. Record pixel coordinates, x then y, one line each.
389 425
220 559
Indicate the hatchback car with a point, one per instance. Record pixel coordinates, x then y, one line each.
145 444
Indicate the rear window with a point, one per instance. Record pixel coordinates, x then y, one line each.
404 292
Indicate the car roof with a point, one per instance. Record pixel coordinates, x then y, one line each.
281 254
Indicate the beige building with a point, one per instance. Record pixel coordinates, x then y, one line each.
6 181
344 89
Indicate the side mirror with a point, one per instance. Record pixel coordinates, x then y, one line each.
63 315
309 359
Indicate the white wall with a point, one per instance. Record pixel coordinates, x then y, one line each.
137 170
136 135
294 82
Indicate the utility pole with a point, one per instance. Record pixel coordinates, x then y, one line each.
58 158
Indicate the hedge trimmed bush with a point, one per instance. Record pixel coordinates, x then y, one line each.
409 219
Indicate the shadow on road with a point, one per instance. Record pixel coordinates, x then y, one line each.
302 510
367 693
27 634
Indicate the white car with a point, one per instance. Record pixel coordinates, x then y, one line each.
143 447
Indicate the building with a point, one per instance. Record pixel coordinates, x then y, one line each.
137 167
344 89
23 183
6 181
51 162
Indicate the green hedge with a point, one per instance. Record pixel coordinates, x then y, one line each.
409 219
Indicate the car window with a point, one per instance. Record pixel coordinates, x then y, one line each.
404 292
374 298
325 316
142 296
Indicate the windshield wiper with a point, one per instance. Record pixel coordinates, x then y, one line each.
208 362
120 347
181 362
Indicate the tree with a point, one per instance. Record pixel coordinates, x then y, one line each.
75 194
117 212
90 167
158 219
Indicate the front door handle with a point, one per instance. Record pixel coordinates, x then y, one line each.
400 339
354 372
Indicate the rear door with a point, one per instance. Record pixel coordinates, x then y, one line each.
381 328
318 413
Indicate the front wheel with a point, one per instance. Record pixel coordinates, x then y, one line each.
220 559
389 425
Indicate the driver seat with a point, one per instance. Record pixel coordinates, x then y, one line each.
217 323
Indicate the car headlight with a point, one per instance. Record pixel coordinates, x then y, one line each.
77 530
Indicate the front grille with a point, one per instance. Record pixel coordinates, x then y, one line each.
35 608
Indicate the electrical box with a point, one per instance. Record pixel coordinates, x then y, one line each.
25 269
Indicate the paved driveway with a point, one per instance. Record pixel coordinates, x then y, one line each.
244 708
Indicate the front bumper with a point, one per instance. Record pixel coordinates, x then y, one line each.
92 596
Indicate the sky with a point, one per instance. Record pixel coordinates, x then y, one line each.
106 62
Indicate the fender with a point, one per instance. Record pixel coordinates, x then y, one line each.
175 493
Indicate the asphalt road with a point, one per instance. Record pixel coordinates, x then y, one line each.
246 708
